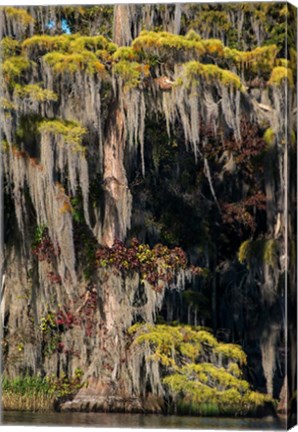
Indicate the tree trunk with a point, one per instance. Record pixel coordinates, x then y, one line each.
117 195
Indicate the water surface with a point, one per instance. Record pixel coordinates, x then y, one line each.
107 420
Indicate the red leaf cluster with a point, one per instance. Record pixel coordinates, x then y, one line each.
154 265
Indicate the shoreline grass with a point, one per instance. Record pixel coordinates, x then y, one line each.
17 402
31 393
27 394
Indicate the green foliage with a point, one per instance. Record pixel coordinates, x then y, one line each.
72 53
261 59
34 393
280 75
64 386
4 146
194 71
26 385
213 47
231 352
19 15
166 45
125 53
48 43
283 62
9 47
201 374
77 209
86 20
7 105
175 345
13 67
91 43
205 20
207 373
258 251
269 137
193 36
74 62
35 93
39 233
131 73
70 132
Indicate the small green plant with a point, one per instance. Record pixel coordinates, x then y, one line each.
269 137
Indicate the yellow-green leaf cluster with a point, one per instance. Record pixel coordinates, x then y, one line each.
13 67
193 71
201 374
71 63
231 351
72 133
34 92
8 47
269 137
19 15
280 75
260 59
164 43
48 43
131 73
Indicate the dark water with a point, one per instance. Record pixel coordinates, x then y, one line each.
107 420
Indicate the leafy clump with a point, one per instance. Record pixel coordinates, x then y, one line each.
74 62
45 43
20 15
35 93
7 105
131 73
166 46
13 67
92 43
43 247
9 47
261 59
198 370
154 265
194 71
70 132
125 53
269 137
280 75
